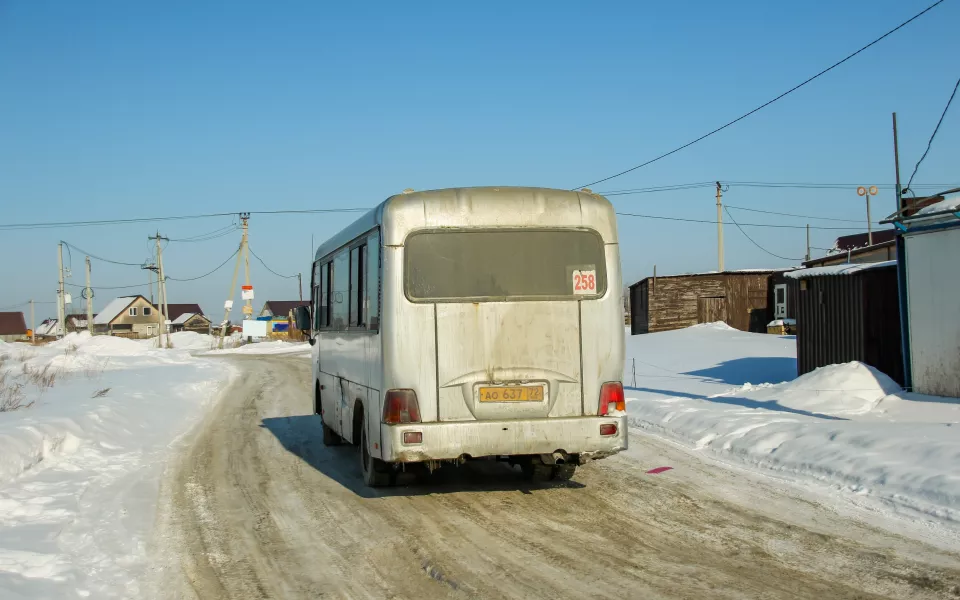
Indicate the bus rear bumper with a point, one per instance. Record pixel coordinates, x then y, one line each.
475 439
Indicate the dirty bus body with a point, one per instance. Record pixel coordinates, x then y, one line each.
468 323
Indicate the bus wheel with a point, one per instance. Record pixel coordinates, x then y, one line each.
564 472
376 473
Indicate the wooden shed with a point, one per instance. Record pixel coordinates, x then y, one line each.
848 313
741 299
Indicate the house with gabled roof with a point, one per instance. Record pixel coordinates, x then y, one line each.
12 326
128 315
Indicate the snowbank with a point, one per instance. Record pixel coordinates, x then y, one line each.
81 462
275 347
847 429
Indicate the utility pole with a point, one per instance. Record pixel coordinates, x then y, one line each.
300 283
808 242
61 308
161 296
33 325
241 253
89 296
719 229
867 192
896 163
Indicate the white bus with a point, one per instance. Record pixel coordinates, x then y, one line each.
469 323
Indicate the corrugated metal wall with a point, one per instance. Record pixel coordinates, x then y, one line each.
843 318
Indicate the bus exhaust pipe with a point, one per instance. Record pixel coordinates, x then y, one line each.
557 458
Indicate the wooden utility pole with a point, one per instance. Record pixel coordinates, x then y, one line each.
808 242
61 308
161 296
241 253
719 229
896 163
300 283
89 298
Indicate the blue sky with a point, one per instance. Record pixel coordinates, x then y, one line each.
124 110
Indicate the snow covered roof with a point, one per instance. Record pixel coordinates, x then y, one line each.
944 205
112 310
47 327
725 272
844 269
183 318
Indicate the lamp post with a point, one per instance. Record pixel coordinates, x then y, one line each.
866 192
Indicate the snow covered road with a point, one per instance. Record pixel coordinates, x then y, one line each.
257 507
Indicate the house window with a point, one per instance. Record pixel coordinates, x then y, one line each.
147 311
133 311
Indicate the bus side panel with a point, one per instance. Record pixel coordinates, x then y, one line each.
602 331
408 335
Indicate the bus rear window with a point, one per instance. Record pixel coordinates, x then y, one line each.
511 264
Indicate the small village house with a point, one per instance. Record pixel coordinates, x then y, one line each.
741 299
280 314
12 326
847 312
188 317
929 269
856 249
129 316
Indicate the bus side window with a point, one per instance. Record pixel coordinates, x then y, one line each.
356 285
372 287
340 291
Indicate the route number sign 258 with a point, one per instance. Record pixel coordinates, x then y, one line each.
584 283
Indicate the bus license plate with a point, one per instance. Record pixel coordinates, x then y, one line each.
519 393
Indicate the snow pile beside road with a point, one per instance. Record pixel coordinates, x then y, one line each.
275 347
847 427
80 461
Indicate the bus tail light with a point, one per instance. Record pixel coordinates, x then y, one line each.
611 398
400 406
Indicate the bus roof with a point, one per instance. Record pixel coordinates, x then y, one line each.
400 214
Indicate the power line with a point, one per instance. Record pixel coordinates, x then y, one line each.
712 222
217 268
770 212
754 242
100 258
934 134
110 287
205 237
268 268
769 102
54 224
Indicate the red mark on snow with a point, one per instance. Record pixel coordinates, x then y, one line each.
658 470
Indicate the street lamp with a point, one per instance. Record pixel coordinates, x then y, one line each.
867 192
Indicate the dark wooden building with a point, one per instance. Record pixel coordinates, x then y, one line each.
848 313
742 299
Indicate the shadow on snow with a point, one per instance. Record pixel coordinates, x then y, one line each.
302 436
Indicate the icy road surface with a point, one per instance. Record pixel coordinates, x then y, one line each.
257 507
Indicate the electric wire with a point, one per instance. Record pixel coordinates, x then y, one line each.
217 268
754 242
100 258
770 212
712 222
268 268
933 135
769 102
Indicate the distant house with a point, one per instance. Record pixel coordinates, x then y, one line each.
12 326
131 316
281 308
178 310
77 322
742 299
47 329
929 270
189 321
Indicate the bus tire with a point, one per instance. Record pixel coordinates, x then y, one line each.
564 472
376 473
